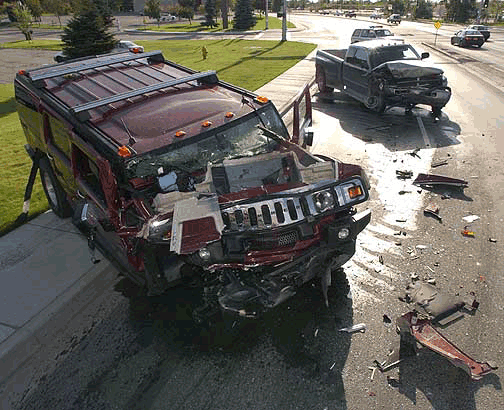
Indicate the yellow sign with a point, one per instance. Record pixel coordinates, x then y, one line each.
437 24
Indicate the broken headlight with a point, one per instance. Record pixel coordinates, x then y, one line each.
160 230
323 200
444 81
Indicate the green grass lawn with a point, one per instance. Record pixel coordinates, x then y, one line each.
246 63
195 26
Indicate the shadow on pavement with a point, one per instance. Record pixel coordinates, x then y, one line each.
394 128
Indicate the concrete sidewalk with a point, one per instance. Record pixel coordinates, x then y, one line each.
46 271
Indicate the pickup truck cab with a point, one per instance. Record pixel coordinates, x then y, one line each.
383 73
187 181
394 19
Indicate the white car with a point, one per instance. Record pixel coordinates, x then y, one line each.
167 17
122 45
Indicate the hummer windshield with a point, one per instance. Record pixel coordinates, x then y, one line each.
239 138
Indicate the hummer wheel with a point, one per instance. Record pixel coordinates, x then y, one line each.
53 190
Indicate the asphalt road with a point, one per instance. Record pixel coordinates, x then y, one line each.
296 358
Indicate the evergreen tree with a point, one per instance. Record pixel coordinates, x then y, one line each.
423 10
244 15
88 34
210 13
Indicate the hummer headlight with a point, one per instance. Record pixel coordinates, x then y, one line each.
204 254
323 200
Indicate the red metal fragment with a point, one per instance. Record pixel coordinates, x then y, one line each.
430 179
428 336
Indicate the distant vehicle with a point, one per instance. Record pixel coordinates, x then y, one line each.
122 45
464 38
351 14
376 16
394 19
324 11
482 29
167 17
338 13
371 33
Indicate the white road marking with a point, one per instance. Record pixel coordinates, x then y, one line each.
425 136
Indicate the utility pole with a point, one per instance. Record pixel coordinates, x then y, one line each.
266 14
284 21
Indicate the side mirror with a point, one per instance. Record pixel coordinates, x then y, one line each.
308 136
425 55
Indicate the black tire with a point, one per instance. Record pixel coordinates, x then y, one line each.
321 80
53 190
376 103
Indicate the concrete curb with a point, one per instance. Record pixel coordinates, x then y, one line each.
39 331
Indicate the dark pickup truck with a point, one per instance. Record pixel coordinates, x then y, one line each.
184 180
381 74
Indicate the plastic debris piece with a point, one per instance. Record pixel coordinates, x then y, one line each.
404 192
421 247
493 240
372 393
470 218
414 153
386 318
467 233
361 327
380 259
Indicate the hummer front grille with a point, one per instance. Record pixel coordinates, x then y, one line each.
265 214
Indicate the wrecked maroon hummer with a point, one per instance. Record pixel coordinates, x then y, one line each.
183 179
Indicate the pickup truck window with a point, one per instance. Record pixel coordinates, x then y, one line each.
393 53
361 58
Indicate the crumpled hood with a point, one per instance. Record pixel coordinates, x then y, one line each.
409 68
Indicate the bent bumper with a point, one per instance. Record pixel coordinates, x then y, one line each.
435 98
251 293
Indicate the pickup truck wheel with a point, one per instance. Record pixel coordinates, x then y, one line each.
321 81
53 190
376 103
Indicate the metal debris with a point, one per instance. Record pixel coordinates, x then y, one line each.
414 153
439 163
433 210
493 240
423 331
361 327
467 233
470 218
404 174
430 179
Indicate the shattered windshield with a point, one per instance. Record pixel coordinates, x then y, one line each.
240 138
398 52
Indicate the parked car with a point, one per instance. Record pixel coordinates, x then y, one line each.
376 16
394 19
464 38
122 45
351 14
371 33
482 29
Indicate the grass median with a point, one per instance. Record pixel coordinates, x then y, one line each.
246 63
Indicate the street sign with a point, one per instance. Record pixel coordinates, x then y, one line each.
437 24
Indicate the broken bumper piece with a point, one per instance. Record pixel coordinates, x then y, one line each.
423 331
249 293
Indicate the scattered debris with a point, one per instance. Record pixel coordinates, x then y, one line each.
428 267
415 152
372 393
439 163
380 259
439 307
431 281
421 247
373 372
316 332
404 174
493 240
467 233
404 192
414 277
470 218
361 327
401 220
398 243
386 319
430 179
332 367
433 210
423 331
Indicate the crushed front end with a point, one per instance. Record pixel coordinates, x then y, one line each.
257 228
